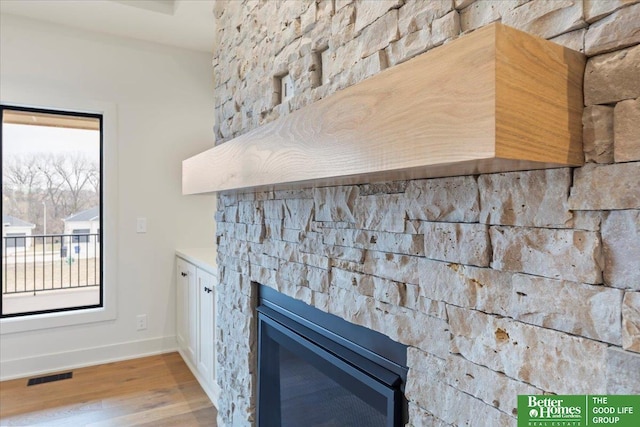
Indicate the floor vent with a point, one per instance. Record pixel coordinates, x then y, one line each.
50 378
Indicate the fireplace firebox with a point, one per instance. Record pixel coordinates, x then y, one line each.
315 369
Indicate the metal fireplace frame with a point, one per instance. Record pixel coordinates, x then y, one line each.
367 363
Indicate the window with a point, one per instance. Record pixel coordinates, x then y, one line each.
51 211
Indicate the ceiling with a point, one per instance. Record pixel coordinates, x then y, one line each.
182 23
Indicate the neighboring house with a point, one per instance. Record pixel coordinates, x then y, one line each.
84 227
17 230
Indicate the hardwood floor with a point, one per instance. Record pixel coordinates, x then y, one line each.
151 391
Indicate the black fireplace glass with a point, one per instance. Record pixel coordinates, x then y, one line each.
311 398
310 376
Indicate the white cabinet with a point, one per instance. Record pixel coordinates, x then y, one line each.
186 308
206 327
196 320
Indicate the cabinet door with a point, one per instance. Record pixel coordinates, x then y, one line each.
182 303
207 288
192 312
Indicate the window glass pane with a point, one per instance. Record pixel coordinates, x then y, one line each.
51 198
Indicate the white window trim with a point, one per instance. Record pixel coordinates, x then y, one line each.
108 311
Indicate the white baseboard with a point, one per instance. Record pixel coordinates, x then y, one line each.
42 364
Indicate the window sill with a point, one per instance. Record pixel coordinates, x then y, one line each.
34 322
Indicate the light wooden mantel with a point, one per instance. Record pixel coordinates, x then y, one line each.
495 100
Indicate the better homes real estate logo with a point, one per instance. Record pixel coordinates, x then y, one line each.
578 410
551 410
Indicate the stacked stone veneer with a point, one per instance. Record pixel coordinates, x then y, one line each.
501 284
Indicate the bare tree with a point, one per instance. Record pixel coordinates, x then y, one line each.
94 177
22 178
67 183
22 173
75 172
54 192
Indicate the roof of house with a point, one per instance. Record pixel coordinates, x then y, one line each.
91 214
12 221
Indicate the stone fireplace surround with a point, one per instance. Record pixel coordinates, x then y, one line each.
500 284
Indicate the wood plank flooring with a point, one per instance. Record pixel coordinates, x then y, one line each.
151 391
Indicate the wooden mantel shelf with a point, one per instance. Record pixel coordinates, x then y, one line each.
495 100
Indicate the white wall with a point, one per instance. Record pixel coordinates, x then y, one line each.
164 102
